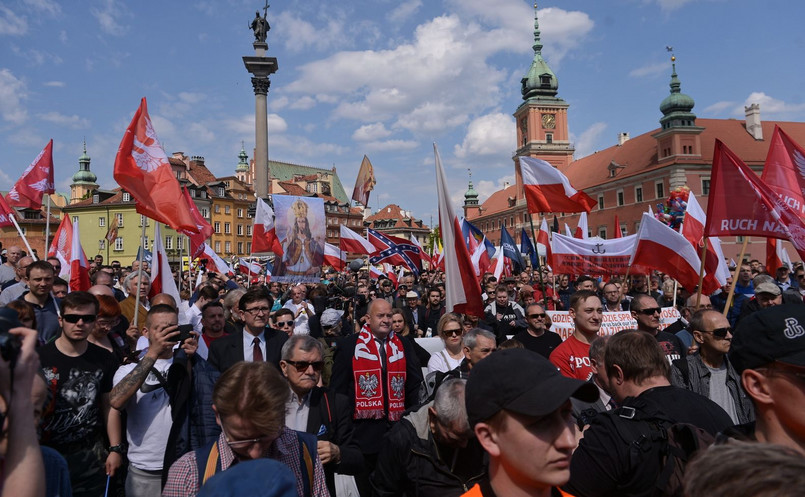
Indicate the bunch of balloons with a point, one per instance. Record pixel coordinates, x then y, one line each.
673 211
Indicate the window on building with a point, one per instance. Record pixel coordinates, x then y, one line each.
638 194
119 216
227 209
221 191
227 228
217 209
168 243
102 244
240 230
660 189
217 247
75 219
118 243
601 201
24 231
240 248
126 197
228 248
143 220
205 213
602 232
620 197
217 227
739 239
180 242
549 137
192 193
248 230
240 212
96 198
622 228
248 247
145 243
705 186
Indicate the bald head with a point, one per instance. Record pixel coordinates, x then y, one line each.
101 290
164 298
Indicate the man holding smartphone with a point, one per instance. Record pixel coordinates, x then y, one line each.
140 389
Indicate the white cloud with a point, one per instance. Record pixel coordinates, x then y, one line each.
12 93
298 34
63 36
276 124
109 17
649 70
587 140
304 103
278 103
55 84
37 57
201 133
73 122
371 132
670 5
770 105
486 188
11 23
404 11
492 134
181 104
243 126
719 107
47 6
387 145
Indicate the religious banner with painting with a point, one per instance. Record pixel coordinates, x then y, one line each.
300 226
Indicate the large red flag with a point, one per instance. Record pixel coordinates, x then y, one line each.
6 213
548 190
784 170
197 240
79 267
618 232
355 243
740 203
716 271
664 249
264 235
143 170
36 180
463 292
582 231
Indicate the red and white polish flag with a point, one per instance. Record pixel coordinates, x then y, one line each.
355 243
264 234
664 249
335 257
548 190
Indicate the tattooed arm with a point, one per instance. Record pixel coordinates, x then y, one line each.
127 387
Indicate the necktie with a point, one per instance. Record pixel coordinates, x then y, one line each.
381 351
257 354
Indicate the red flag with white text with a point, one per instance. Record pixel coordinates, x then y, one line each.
548 190
461 286
264 233
36 180
197 240
6 213
716 271
143 170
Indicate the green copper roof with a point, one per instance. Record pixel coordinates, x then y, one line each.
285 171
540 82
243 164
676 108
470 196
84 175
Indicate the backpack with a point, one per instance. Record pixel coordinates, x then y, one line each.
652 434
208 461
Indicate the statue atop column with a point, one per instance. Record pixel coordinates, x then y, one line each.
260 25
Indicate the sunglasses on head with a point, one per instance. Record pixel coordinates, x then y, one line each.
74 318
650 311
302 366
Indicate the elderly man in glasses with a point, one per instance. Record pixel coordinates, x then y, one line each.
316 410
708 372
249 403
646 311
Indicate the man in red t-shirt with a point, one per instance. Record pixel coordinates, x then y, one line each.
572 356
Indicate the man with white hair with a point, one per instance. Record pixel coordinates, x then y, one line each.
302 310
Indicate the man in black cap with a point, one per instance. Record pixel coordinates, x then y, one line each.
768 350
519 407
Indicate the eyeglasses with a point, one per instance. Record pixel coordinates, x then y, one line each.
283 324
74 318
247 444
258 310
537 316
108 323
455 332
650 311
302 366
720 332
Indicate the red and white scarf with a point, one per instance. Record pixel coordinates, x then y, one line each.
369 385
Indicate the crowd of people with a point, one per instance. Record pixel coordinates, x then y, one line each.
370 387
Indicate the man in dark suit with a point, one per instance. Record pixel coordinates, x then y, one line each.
375 356
413 313
257 341
317 411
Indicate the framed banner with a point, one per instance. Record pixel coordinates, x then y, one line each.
301 229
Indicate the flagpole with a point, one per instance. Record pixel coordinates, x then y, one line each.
539 270
13 218
701 274
735 277
47 227
140 272
181 249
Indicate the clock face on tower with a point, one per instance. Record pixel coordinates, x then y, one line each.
549 121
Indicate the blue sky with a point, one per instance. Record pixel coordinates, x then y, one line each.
376 77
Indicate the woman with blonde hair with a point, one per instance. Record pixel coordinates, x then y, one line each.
451 330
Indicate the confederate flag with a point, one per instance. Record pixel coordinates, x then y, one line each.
394 250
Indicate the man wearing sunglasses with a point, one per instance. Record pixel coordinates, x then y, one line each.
80 374
536 336
284 321
768 351
646 311
316 410
708 372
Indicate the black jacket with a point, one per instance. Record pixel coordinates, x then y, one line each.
228 350
409 463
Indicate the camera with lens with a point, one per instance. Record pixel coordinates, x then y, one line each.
10 345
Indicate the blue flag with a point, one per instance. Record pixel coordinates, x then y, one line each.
469 230
510 250
527 248
146 255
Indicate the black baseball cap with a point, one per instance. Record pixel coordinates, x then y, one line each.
776 334
523 382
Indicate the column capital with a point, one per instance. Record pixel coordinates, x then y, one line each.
261 85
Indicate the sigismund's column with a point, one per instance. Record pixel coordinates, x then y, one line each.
260 67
